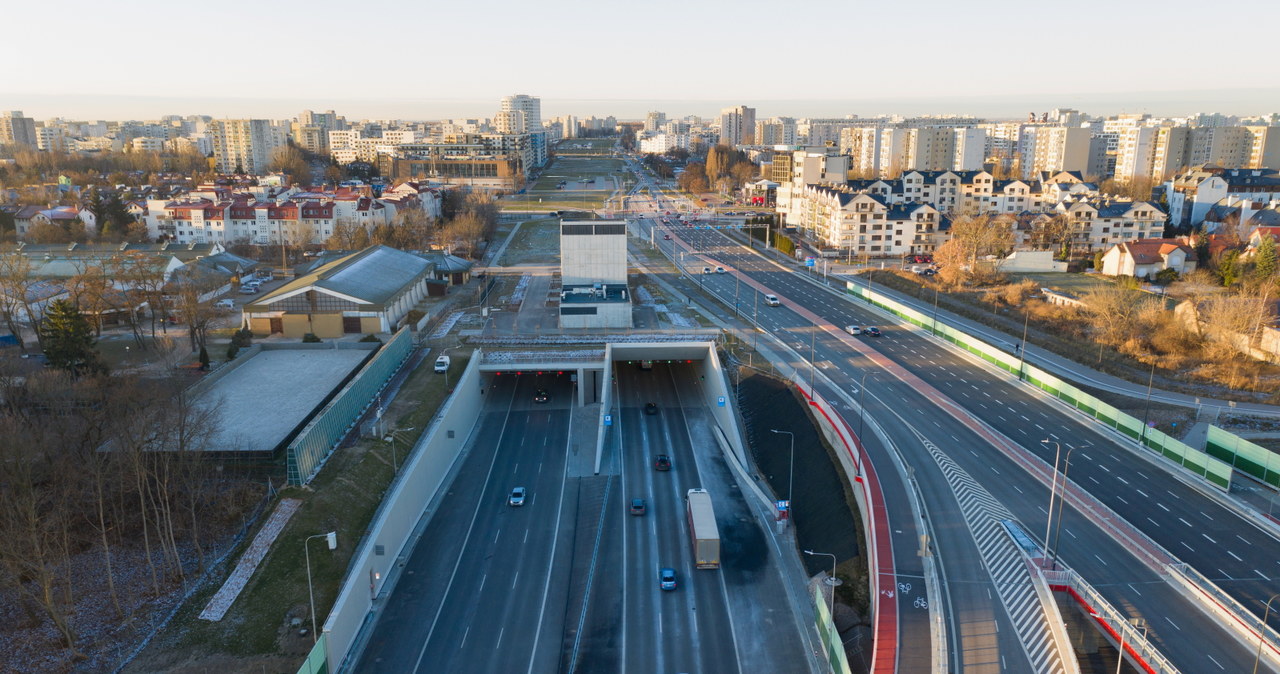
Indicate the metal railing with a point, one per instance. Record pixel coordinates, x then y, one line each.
1111 620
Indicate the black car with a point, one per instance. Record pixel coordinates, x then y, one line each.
540 396
663 462
651 408
871 331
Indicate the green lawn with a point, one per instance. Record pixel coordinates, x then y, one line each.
1075 284
571 146
556 201
537 241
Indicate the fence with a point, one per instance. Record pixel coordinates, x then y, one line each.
1213 470
830 636
1243 455
316 662
309 450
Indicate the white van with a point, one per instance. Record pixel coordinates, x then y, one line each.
225 304
442 364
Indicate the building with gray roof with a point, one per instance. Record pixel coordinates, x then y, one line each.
361 293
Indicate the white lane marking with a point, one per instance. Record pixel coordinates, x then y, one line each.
1215 662
464 638
500 633
1121 499
1243 539
1162 507
1261 575
1144 494
1153 521
1234 556
1210 539
1175 625
1122 479
1104 468
515 579
1184 521
1135 590
1104 562
1184 544
1206 516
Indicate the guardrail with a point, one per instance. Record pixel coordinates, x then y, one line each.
1108 618
1243 455
1213 470
1248 627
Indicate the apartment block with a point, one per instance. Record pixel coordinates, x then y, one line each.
776 131
245 145
15 129
737 125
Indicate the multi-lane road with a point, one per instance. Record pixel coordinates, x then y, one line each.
569 581
1192 526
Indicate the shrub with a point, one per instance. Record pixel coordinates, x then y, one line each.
368 338
310 338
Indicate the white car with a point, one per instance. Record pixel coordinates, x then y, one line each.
442 364
772 300
853 330
517 497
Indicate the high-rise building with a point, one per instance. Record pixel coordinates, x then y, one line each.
737 125
311 130
1054 148
1264 150
510 121
776 131
1150 152
654 121
1225 146
531 106
245 144
16 129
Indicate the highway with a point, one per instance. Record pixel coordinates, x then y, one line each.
569 581
1180 519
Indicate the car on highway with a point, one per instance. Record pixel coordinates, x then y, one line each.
871 331
853 330
517 497
721 270
651 408
666 237
662 462
541 396
772 300
637 506
667 578
706 270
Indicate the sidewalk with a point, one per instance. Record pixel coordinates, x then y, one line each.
1049 361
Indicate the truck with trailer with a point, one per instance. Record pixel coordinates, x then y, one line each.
702 529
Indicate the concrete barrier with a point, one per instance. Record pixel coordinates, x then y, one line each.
422 476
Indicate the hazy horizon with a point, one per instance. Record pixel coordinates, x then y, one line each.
809 58
1239 102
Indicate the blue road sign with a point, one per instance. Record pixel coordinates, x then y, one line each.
720 401
608 420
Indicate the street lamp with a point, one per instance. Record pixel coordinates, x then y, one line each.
390 439
1137 623
862 395
1146 412
1022 350
332 539
832 581
792 473
1262 632
1053 489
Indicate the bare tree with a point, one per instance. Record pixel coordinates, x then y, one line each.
972 238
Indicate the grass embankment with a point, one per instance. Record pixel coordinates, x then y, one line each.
256 633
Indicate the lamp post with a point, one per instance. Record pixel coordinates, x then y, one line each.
332 539
1053 489
813 363
791 474
1262 632
936 285
1062 501
1137 623
862 395
1146 412
832 581
390 439
1022 350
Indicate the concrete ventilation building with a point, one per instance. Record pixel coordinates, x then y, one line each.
593 273
362 293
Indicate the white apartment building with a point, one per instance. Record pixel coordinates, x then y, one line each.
776 131
737 124
1225 146
654 121
51 138
530 106
1150 152
147 144
1053 148
245 144
662 142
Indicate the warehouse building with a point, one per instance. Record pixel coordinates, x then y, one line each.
362 293
593 272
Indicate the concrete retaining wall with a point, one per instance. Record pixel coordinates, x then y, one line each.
421 477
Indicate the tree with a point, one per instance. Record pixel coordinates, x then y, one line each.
47 232
288 159
15 294
972 238
68 340
1264 259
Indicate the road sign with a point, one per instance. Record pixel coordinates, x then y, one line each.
782 506
808 262
720 401
608 420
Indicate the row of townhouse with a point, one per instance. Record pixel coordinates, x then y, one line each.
296 217
895 218
1195 193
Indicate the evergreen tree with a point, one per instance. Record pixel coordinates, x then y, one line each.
68 340
1264 259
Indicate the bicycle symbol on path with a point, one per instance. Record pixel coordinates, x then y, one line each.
921 602
904 588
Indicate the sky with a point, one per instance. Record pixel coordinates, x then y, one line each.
803 58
